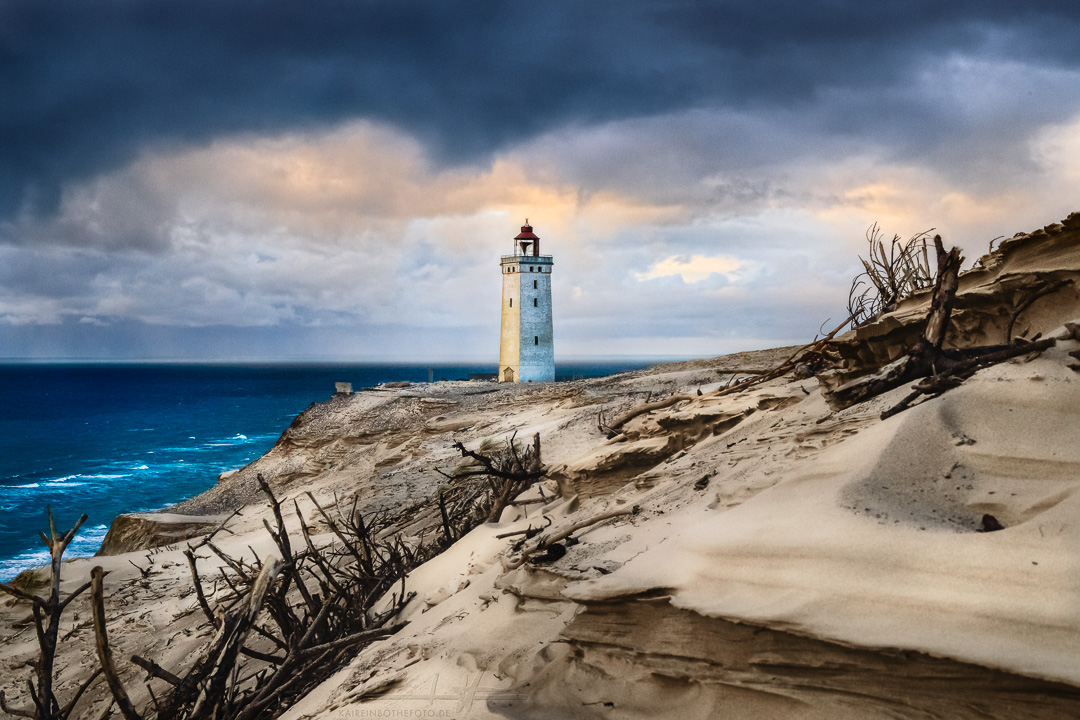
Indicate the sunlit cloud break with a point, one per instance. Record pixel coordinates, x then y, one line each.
694 269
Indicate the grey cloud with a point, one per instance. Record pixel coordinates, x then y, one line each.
86 86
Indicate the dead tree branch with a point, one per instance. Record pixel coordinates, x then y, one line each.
104 652
153 670
818 345
46 705
618 422
548 541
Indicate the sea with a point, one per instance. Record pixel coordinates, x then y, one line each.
105 439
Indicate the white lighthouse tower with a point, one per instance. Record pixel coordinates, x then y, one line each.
527 350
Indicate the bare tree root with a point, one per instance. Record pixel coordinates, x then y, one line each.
889 276
1049 289
478 492
938 370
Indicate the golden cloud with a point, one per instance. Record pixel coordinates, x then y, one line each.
693 269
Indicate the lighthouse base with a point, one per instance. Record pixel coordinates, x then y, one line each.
527 373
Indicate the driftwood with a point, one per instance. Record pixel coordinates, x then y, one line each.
313 633
214 691
548 541
953 375
922 358
528 532
618 422
278 626
1074 332
153 670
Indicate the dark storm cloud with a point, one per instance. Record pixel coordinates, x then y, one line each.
86 86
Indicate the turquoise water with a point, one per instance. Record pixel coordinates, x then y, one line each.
110 439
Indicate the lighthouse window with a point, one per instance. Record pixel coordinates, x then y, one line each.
532 269
534 284
511 302
536 339
534 302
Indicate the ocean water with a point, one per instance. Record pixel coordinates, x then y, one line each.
109 439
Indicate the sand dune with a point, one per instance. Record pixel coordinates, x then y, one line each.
783 560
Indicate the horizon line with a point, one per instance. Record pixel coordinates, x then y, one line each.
327 361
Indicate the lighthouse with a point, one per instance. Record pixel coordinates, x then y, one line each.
527 349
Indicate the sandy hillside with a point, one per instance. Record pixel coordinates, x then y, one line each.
763 556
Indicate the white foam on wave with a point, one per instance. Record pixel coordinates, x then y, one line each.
12 566
142 467
238 439
86 543
77 480
86 476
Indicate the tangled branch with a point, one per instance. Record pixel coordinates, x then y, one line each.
890 275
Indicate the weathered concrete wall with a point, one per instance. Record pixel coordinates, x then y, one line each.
510 344
527 350
537 354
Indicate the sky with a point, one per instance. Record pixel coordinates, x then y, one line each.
218 180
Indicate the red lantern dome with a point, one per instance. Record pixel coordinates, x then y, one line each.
527 242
